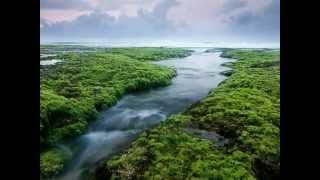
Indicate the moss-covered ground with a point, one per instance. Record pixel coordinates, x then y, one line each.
73 91
244 110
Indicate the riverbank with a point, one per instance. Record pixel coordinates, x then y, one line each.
73 91
233 133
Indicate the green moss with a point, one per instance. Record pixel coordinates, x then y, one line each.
151 54
244 109
74 91
170 153
51 163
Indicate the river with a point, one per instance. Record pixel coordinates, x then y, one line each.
119 125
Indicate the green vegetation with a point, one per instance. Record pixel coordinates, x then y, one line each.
60 48
72 92
244 109
150 54
51 163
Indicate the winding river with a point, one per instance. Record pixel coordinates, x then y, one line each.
118 126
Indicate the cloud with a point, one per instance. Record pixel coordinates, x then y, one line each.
127 7
51 9
250 22
208 19
102 25
65 4
231 5
53 16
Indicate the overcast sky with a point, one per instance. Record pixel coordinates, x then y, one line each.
190 20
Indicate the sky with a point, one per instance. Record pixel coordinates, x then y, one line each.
218 21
